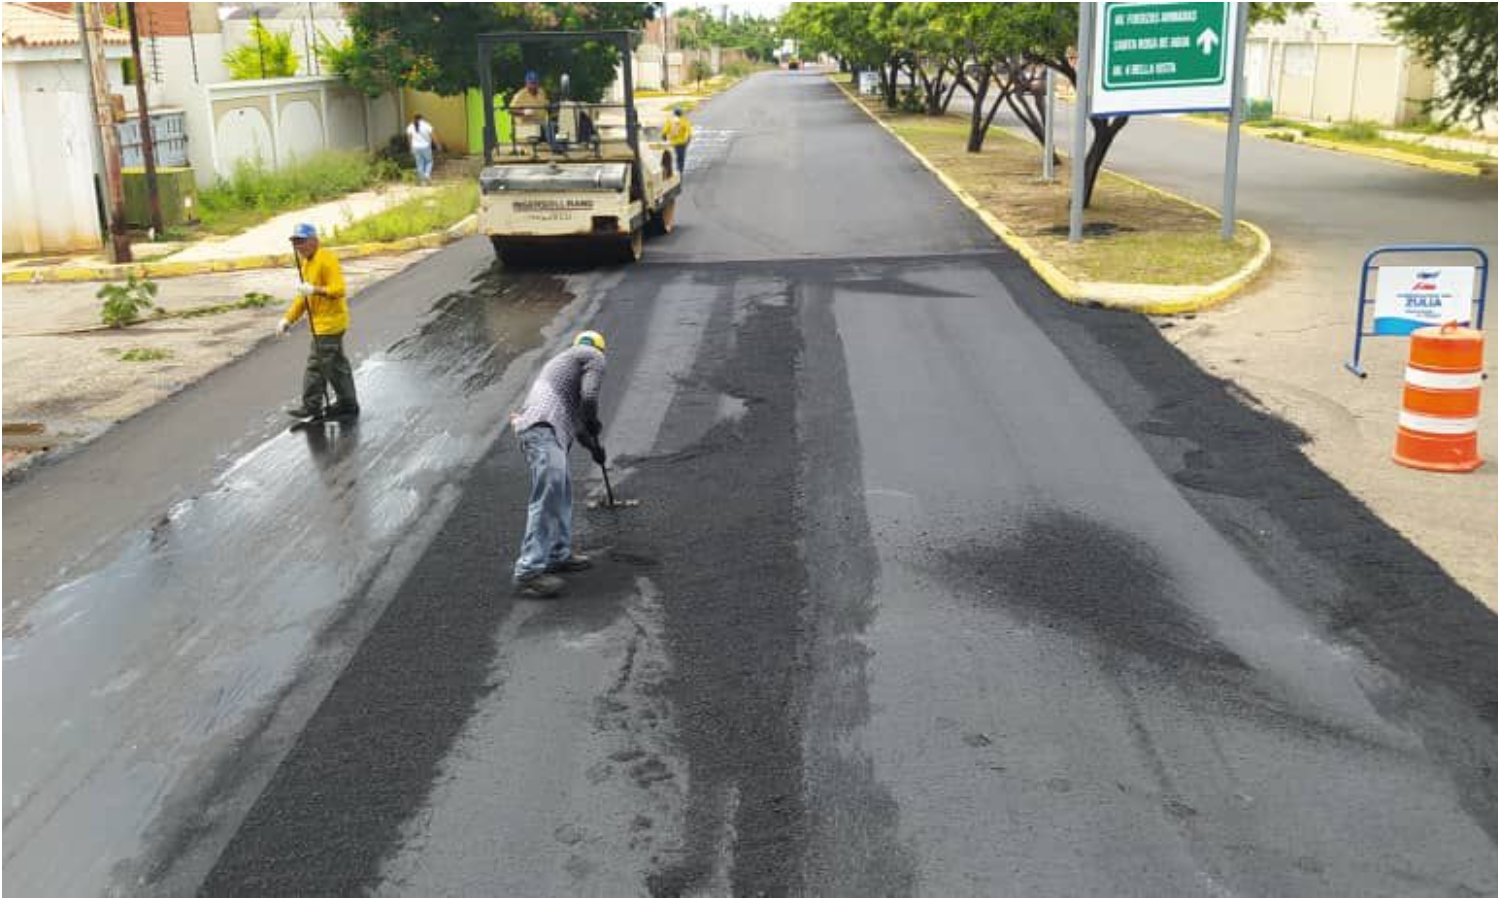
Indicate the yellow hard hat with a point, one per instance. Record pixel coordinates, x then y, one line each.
589 339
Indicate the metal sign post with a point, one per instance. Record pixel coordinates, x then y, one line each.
1081 119
1236 115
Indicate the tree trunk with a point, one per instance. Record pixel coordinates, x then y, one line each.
948 97
1104 135
933 90
1033 119
976 115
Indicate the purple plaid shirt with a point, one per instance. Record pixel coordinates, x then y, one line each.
567 383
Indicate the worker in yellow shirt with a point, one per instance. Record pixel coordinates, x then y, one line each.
679 132
530 111
322 296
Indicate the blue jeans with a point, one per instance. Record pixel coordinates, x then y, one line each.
423 156
549 515
681 151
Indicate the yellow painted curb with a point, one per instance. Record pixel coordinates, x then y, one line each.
1151 299
1477 169
169 269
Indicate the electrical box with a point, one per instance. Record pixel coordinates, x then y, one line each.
176 187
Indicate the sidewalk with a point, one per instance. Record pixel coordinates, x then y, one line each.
270 237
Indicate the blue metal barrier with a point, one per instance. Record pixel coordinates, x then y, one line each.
1482 271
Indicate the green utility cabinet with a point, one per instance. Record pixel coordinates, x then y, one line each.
176 187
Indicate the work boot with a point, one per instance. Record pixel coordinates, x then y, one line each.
343 411
303 412
576 562
539 587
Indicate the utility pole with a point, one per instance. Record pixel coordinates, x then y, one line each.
148 140
91 34
666 47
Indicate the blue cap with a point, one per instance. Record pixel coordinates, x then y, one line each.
304 231
677 111
531 78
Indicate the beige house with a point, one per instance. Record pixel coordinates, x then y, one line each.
1336 63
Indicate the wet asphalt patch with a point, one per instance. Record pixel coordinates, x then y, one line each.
1112 590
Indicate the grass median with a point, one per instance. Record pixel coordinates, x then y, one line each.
1133 234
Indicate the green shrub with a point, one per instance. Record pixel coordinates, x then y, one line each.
268 54
145 354
738 69
1356 131
397 152
256 300
251 300
124 303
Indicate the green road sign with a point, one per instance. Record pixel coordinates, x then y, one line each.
1161 45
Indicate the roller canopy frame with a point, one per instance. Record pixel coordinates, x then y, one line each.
488 42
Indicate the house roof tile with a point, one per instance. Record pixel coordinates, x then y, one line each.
26 25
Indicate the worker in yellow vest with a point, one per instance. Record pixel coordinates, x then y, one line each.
679 132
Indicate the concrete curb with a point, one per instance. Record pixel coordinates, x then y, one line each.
1151 299
168 269
1452 167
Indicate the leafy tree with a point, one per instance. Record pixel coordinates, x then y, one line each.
268 54
431 46
995 52
847 32
1048 31
698 29
935 54
1458 40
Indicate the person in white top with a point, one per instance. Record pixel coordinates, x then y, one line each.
419 135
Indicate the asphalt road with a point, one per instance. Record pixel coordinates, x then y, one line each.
937 586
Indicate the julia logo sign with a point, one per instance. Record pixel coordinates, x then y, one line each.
1412 297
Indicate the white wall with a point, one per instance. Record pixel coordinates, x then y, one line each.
1343 23
179 85
279 119
50 198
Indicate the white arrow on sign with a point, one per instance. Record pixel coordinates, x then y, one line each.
1207 40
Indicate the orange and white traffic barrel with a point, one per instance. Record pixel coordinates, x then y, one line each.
1438 429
